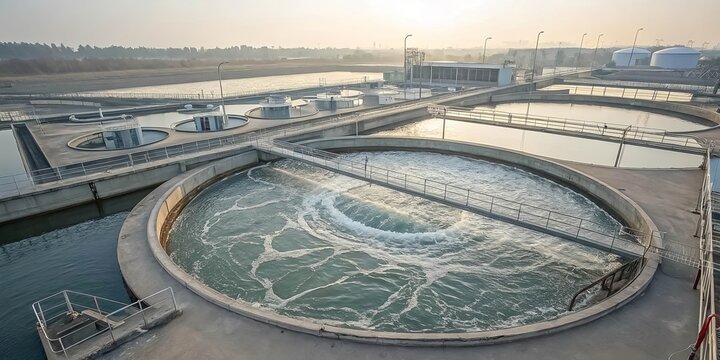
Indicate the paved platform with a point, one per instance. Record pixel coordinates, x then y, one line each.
659 322
53 137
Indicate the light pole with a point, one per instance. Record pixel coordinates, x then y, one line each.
577 62
633 47
592 64
405 66
421 58
222 98
485 47
557 58
537 42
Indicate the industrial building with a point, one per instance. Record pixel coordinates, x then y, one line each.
639 57
452 73
677 58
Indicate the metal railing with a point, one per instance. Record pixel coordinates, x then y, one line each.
202 96
539 218
646 85
620 238
708 349
18 184
608 284
627 93
619 131
110 316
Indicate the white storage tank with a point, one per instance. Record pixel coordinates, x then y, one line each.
622 57
676 58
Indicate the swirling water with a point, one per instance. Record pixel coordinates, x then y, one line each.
311 244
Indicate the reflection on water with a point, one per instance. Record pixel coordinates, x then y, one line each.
550 145
251 85
10 161
602 114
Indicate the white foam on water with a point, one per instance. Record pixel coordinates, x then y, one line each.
457 247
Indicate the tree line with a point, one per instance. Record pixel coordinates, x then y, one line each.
26 51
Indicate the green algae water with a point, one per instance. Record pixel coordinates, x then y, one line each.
311 244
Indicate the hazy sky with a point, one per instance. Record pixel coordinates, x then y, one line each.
359 23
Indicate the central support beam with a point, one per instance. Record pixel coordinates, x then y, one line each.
524 215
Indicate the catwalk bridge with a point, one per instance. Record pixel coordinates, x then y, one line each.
621 240
623 134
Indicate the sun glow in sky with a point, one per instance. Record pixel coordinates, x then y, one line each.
344 23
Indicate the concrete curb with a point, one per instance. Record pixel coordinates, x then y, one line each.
172 197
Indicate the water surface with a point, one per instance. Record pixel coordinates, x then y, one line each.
311 244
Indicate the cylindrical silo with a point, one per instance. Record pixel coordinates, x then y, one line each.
622 57
676 58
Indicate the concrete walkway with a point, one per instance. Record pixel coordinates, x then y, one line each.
661 321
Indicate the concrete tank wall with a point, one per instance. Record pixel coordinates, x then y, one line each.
165 203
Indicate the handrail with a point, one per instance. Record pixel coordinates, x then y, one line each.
621 238
66 342
606 129
26 182
641 84
576 227
629 270
708 349
210 96
623 92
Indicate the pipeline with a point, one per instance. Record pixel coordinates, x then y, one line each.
702 334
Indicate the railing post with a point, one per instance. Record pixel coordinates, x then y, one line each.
172 294
67 302
579 227
405 186
62 346
143 313
424 186
492 202
467 199
130 160
445 192
519 210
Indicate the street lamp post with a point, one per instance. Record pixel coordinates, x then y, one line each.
537 42
222 98
405 66
577 62
592 64
485 47
632 51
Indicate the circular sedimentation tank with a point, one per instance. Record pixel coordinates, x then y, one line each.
210 122
120 135
311 245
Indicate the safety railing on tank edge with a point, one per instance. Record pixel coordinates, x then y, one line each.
706 282
627 93
619 131
573 226
109 316
605 286
622 237
648 85
18 184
